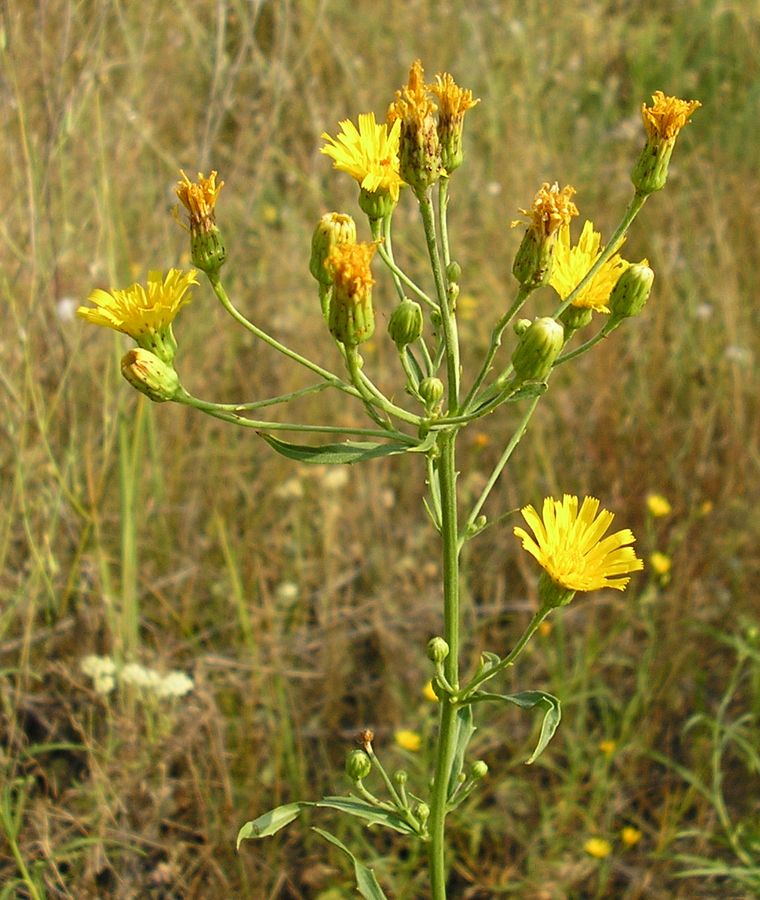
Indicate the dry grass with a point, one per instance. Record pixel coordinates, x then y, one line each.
110 505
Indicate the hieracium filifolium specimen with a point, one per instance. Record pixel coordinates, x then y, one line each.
416 151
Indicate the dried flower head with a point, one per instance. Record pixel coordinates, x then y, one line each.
666 116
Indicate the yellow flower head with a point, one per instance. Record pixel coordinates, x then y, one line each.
369 154
140 312
199 199
661 563
571 547
349 267
408 740
667 116
607 747
572 263
453 100
551 208
630 835
412 104
598 848
658 505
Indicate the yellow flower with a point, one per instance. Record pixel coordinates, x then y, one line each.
369 154
408 740
658 505
545 628
199 199
667 116
144 314
607 747
630 836
598 848
551 209
570 546
428 693
660 563
572 263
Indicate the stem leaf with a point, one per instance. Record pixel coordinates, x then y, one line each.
530 700
465 730
271 822
344 453
366 882
372 815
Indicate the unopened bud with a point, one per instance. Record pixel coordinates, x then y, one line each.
478 770
521 326
539 346
405 324
358 765
453 271
400 777
630 294
421 812
150 375
437 649
431 390
575 318
333 228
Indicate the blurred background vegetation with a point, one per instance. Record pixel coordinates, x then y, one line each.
300 601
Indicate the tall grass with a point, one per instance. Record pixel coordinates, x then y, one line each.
301 606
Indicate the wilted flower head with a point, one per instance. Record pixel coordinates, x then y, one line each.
570 545
666 116
419 152
199 199
453 103
551 209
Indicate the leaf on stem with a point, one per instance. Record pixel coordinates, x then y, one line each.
530 700
372 815
344 453
366 882
271 822
465 731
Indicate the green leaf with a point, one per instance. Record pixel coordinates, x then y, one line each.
365 877
528 391
336 454
530 700
271 822
465 731
371 814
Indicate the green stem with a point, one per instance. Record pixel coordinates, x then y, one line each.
273 401
446 474
448 320
584 348
498 468
522 296
337 382
371 394
403 277
443 221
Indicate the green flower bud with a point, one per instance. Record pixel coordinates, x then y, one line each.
400 777
376 204
333 228
150 375
431 390
358 765
478 770
576 317
539 346
437 649
421 812
405 324
521 326
453 272
630 294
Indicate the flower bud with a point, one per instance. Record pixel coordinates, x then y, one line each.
521 326
421 812
358 765
575 318
401 777
150 375
453 272
539 346
478 770
631 293
437 650
406 322
431 390
333 228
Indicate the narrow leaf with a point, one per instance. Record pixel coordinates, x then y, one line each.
465 731
336 454
530 700
365 878
271 822
370 814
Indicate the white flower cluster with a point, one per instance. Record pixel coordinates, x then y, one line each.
104 673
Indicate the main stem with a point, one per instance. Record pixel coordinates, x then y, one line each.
448 726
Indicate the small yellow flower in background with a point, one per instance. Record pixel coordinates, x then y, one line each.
630 836
570 545
706 508
572 263
667 116
598 848
607 747
658 506
545 628
145 314
660 562
408 740
428 693
370 155
199 199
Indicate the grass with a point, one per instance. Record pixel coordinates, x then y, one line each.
146 531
